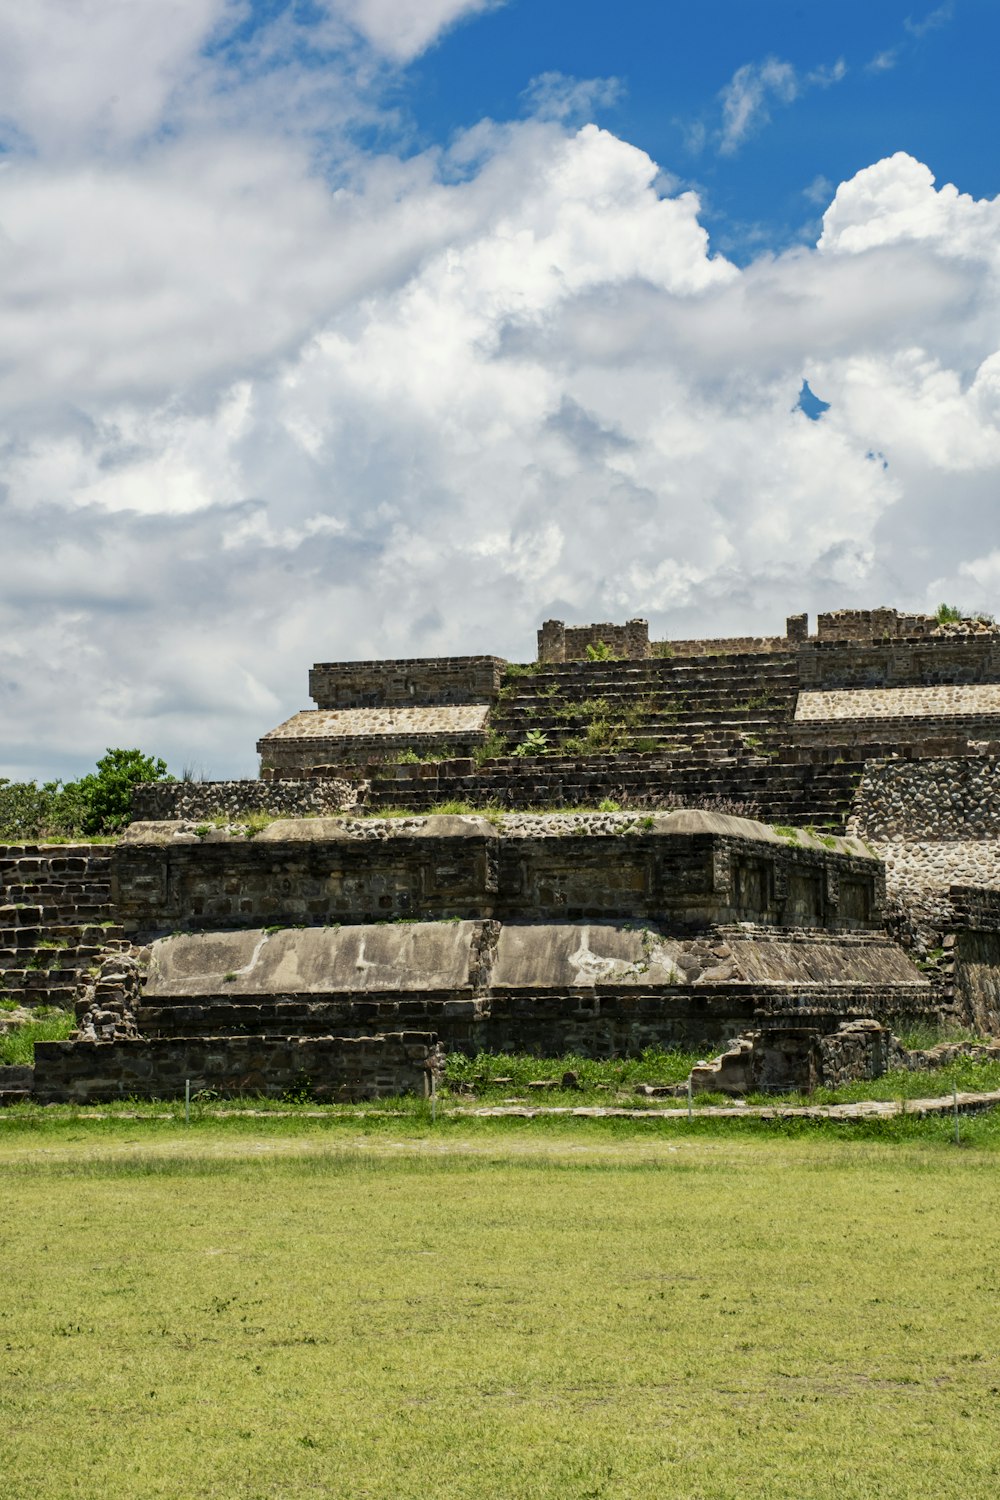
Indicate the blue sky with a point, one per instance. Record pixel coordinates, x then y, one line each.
365 328
918 79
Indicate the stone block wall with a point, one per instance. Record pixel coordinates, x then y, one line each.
560 642
605 1022
344 1069
55 919
928 800
872 624
946 660
753 787
729 645
200 801
975 934
338 739
339 871
406 681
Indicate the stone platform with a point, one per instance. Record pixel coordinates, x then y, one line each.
601 934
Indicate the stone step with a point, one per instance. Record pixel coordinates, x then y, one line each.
62 996
211 1017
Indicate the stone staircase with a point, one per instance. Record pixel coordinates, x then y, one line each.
771 790
662 732
55 920
700 710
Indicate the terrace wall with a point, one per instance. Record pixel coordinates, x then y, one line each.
345 1069
950 799
200 801
332 871
425 680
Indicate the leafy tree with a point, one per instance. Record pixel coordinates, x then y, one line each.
107 796
98 803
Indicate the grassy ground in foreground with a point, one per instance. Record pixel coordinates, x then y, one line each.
281 1308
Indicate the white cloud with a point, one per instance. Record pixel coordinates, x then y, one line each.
747 96
73 70
823 76
404 28
819 190
249 420
554 96
932 21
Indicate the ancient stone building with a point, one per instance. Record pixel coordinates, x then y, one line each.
639 842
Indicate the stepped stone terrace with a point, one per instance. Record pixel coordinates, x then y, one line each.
622 843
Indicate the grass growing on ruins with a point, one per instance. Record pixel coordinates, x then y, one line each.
17 1045
492 1072
475 1312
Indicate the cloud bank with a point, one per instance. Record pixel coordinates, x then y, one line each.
267 398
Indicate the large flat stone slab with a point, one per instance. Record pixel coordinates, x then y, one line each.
313 960
336 723
769 960
575 954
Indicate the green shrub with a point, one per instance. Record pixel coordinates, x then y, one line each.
99 803
492 747
535 742
600 651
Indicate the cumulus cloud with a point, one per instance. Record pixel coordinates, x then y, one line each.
254 415
72 70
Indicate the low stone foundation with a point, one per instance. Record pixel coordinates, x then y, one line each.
335 1069
799 1053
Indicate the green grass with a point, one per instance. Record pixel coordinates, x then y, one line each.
17 1046
480 1073
255 1312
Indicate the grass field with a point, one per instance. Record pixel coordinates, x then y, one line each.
370 1307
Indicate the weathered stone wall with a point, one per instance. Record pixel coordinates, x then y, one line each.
727 645
945 660
55 918
751 786
560 642
922 801
198 801
595 1020
602 1022
914 868
343 1069
405 681
859 740
696 868
871 624
975 925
